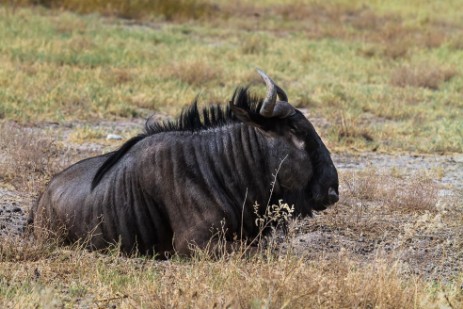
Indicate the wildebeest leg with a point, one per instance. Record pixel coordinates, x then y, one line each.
218 248
198 238
214 245
45 223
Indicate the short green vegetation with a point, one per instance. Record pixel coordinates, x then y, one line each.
371 75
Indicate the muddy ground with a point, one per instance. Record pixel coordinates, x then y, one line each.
428 242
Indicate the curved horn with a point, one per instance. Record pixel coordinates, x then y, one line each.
283 109
270 99
270 107
281 94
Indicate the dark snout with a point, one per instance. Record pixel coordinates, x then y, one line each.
327 197
323 198
328 186
333 196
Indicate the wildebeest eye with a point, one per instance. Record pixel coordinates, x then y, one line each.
292 129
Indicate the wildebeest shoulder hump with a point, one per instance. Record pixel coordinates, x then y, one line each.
190 119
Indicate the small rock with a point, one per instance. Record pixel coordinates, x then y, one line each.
36 274
113 137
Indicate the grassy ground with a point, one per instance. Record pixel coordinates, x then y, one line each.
381 76
385 79
393 241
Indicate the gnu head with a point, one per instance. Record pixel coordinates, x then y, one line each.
278 117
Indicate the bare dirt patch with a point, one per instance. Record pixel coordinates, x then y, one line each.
400 208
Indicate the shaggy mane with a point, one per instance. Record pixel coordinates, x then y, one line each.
191 119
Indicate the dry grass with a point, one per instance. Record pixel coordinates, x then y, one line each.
349 129
376 249
254 45
430 76
16 249
28 158
73 277
416 195
398 40
399 219
107 68
194 73
31 156
392 35
456 42
391 242
86 134
121 76
317 20
138 9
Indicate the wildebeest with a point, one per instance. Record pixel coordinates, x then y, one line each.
171 186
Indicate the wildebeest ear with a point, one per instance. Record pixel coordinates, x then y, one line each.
240 113
245 116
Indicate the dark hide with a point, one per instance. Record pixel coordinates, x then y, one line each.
173 185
